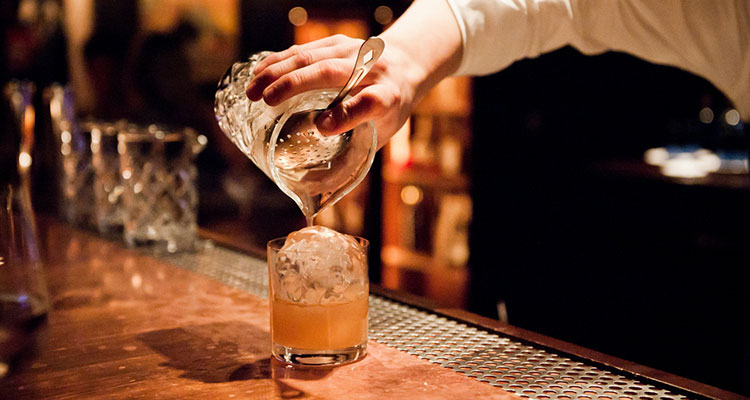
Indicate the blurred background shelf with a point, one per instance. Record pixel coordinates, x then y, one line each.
424 177
425 197
426 274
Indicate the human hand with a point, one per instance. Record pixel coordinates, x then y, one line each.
386 95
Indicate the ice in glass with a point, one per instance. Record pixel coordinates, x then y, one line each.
318 296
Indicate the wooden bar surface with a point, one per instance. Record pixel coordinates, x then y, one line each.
124 325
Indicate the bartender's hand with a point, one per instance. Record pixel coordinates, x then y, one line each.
385 95
421 48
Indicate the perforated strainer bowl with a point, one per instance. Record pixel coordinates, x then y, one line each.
308 149
307 165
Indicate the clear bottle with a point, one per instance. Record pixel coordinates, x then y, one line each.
23 292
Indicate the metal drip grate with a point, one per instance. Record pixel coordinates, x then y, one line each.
229 267
497 360
484 355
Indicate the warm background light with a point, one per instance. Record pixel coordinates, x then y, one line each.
297 16
706 115
315 29
24 160
399 147
411 195
732 117
383 15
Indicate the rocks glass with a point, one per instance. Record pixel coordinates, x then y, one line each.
159 195
319 301
76 171
107 185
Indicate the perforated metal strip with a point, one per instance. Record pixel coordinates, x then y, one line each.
227 266
484 355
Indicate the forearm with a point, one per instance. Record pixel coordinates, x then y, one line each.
429 40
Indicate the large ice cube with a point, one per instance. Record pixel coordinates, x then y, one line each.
318 265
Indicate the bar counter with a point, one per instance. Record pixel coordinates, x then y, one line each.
126 324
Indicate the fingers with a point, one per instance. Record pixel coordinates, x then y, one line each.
273 58
295 58
371 103
320 75
303 58
323 64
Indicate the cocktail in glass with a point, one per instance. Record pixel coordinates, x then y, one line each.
318 278
318 297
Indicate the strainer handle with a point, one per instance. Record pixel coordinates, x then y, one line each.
368 55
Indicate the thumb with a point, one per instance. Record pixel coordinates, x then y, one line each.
335 121
363 107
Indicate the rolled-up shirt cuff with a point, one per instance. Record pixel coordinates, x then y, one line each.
461 27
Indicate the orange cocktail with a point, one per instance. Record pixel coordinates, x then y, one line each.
320 327
319 295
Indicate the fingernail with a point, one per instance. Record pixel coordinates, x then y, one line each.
326 121
269 95
250 89
258 68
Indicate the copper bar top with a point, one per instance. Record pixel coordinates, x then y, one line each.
126 324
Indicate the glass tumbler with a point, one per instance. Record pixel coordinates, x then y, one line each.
319 303
159 197
107 186
76 170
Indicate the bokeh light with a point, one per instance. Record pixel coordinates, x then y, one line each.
24 160
383 15
706 115
297 16
411 195
732 117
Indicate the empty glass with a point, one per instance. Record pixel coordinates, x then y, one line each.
159 197
76 176
107 185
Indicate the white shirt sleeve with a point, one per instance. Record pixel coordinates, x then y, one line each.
710 38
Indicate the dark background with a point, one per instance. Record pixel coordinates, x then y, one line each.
583 241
